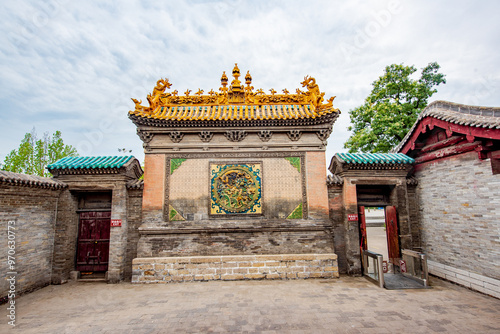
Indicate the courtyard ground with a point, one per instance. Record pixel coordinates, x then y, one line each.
345 305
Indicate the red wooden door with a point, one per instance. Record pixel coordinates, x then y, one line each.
391 223
363 242
93 241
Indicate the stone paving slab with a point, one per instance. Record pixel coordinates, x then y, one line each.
345 305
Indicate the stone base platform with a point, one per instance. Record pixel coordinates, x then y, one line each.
237 267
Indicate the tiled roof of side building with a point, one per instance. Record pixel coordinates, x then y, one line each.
375 158
90 162
33 181
334 180
135 184
455 113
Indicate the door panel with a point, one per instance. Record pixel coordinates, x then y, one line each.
362 228
93 241
391 223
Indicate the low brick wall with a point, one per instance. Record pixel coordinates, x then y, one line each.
241 267
487 285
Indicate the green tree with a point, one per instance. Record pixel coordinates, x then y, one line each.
392 108
34 154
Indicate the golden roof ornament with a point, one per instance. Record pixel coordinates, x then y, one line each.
302 104
248 78
223 79
236 84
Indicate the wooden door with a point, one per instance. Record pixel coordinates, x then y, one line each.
363 241
391 223
93 241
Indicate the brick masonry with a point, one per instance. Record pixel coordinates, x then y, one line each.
134 220
317 193
459 214
335 201
154 182
244 267
237 242
33 210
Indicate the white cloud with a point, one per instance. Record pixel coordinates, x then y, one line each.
70 66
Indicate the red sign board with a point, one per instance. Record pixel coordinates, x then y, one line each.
116 222
402 265
352 217
384 267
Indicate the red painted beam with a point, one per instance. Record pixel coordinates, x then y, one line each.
448 151
444 143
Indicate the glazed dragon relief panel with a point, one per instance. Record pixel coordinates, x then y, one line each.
236 189
235 93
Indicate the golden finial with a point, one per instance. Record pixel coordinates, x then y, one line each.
223 79
187 92
248 78
235 84
236 71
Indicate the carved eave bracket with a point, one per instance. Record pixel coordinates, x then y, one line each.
145 136
324 134
235 135
294 135
206 136
265 135
176 136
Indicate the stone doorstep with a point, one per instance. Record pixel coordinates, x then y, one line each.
193 268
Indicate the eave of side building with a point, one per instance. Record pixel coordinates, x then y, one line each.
446 129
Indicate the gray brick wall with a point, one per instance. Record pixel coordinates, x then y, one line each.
134 220
336 209
66 230
33 210
460 213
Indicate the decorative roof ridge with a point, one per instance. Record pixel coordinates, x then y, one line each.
463 108
34 181
455 113
170 106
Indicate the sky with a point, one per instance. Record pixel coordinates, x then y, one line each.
74 65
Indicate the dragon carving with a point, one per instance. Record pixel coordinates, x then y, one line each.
313 90
138 104
158 92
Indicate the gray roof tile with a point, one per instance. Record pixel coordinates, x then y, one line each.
30 180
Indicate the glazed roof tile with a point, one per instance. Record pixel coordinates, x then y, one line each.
30 180
234 112
374 158
90 162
